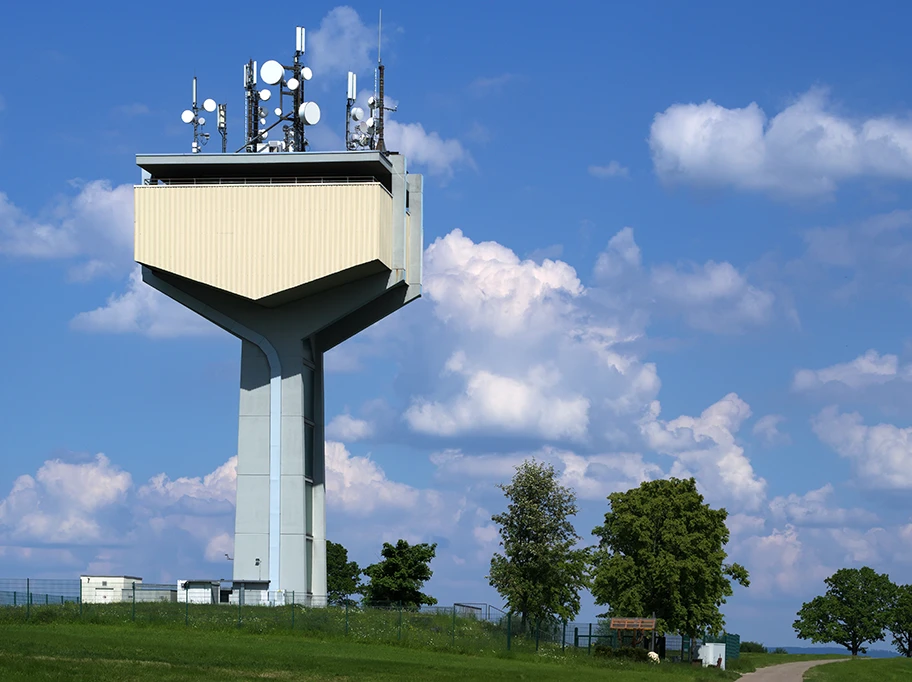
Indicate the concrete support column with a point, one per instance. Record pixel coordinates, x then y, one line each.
295 489
251 533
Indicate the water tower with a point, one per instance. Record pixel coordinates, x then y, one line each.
293 252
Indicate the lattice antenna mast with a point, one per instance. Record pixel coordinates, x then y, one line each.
291 85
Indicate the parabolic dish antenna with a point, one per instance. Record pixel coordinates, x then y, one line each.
265 95
278 112
271 72
187 116
309 112
209 105
292 84
370 122
362 126
306 73
357 114
202 121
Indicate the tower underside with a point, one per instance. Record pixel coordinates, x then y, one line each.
331 255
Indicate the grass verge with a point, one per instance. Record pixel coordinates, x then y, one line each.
863 669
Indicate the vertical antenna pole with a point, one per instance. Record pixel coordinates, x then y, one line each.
381 145
196 146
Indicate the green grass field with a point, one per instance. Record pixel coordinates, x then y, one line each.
104 653
126 652
750 662
861 670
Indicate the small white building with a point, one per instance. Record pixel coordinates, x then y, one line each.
198 591
107 589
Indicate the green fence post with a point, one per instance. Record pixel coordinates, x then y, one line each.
292 609
509 628
28 599
61 600
537 634
133 617
80 596
47 599
453 638
186 604
400 620
14 598
589 641
564 637
346 617
240 592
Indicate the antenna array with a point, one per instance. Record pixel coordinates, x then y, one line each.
290 79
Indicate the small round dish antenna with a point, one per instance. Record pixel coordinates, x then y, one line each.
209 105
265 95
370 122
363 126
371 101
357 114
292 84
309 112
278 112
271 72
202 121
187 116
307 73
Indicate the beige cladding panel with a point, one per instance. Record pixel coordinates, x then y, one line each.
259 240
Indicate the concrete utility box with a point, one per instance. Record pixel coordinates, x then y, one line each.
711 654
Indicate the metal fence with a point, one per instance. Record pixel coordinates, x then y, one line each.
465 626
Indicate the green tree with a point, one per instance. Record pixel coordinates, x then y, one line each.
901 620
343 577
752 648
399 577
662 552
855 609
540 574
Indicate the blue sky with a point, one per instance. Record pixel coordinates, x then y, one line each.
661 240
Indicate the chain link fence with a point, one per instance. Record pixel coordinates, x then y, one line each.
464 626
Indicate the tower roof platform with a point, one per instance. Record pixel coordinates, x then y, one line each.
265 167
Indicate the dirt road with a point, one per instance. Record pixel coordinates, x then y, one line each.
785 672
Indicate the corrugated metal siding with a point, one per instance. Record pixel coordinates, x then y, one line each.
258 240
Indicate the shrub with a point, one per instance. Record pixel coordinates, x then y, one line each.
779 650
625 652
752 648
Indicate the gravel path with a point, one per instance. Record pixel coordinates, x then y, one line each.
785 672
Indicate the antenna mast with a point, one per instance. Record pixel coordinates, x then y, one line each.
381 145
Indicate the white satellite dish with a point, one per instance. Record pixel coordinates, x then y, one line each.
210 105
309 112
187 116
371 102
306 73
363 126
357 114
370 122
265 95
264 134
278 112
202 121
272 72
262 121
292 84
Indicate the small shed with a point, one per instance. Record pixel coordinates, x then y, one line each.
106 589
632 631
199 591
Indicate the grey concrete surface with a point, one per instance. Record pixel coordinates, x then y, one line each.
786 672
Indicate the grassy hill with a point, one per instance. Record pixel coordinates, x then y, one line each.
862 670
105 653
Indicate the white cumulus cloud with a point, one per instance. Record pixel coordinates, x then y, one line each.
865 370
881 454
807 149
